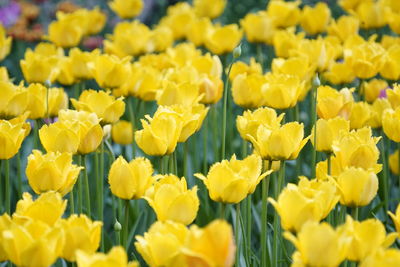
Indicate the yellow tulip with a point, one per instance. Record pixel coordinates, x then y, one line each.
5 223
122 132
239 67
130 180
284 14
231 181
171 200
116 257
5 43
209 8
357 186
159 40
106 107
110 71
349 4
382 258
315 19
373 88
58 100
80 61
344 27
247 90
126 9
394 162
331 103
310 200
339 73
360 114
396 217
283 143
387 41
12 134
33 243
80 234
393 95
371 14
393 20
185 93
65 75
286 40
248 124
65 33
178 19
51 172
297 66
28 209
211 88
39 68
161 245
318 244
97 20
13 101
391 67
282 91
366 237
59 137
328 131
37 105
391 127
258 27
213 245
161 133
198 30
223 39
4 75
377 109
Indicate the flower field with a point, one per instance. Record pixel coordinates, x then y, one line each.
204 133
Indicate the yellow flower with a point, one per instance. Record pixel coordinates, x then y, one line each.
239 67
5 223
283 143
37 105
248 124
58 100
5 43
80 234
282 91
394 163
122 132
39 68
286 40
390 124
231 181
396 217
223 39
65 75
184 93
246 90
340 72
357 186
97 20
116 257
258 27
126 9
130 180
344 27
393 95
310 200
373 88
331 103
13 101
393 20
387 41
80 61
28 209
360 115
371 14
391 67
377 109
178 19
198 30
318 244
213 245
284 14
4 75
209 8
51 172
12 134
161 245
349 5
65 33
161 133
106 107
110 71
315 19
33 243
59 137
211 88
327 132
297 66
382 258
159 40
171 200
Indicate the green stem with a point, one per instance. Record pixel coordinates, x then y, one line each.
7 185
398 162
98 196
80 200
71 202
87 189
1 188
222 210
355 213
215 130
278 188
185 159
237 226
313 123
224 111
385 184
47 105
205 147
36 134
329 163
248 228
264 216
260 57
19 176
132 119
126 224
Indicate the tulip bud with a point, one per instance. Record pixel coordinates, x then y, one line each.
237 52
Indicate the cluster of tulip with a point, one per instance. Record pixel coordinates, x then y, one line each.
332 82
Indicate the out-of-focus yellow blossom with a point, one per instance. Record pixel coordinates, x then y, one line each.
178 19
198 30
282 91
33 243
258 27
328 131
53 171
372 89
65 75
311 200
357 186
393 95
283 143
116 257
160 134
213 245
248 123
231 181
80 61
110 71
32 210
286 40
39 68
13 100
106 107
159 40
223 39
211 88
4 75
209 8
366 237
5 43
80 234
161 245
371 14
97 21
318 244
12 134
315 19
390 123
339 73
391 67
185 93
344 27
332 103
360 114
357 149
284 14
393 19
86 126
182 53
246 90
172 200
377 108
122 132
5 223
65 33
126 9
382 258
240 67
58 100
130 180
59 137
350 4
387 41
37 105
396 217
297 66
394 163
